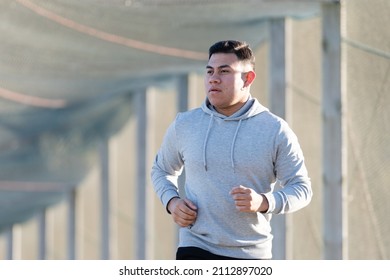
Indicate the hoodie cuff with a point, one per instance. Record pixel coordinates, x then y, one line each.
167 196
274 203
166 207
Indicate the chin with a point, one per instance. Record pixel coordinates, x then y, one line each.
213 98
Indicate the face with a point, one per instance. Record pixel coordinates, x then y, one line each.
227 82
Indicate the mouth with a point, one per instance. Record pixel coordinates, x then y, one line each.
214 90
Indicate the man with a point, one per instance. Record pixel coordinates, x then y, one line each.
233 150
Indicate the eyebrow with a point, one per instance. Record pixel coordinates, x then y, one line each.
219 67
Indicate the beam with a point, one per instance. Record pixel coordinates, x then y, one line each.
144 207
281 224
334 141
41 216
71 224
10 242
104 199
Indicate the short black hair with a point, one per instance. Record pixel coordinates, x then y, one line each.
240 48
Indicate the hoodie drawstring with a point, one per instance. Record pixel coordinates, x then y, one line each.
205 142
232 148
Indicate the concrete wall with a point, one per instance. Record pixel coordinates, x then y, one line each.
366 45
304 116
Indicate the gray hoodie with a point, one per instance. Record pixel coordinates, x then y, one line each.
252 148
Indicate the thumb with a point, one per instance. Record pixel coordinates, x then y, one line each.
238 189
190 204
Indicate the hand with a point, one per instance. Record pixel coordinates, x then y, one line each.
183 211
247 200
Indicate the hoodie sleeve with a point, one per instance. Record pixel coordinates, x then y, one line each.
293 186
167 167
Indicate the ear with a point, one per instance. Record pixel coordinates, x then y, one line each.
249 78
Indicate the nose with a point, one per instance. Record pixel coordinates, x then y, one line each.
214 78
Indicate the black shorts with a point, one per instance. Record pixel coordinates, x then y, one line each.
195 253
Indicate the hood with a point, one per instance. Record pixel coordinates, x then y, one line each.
251 108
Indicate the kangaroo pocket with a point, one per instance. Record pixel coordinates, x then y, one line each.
226 226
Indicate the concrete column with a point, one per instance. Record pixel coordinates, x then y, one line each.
144 207
104 200
335 245
281 224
